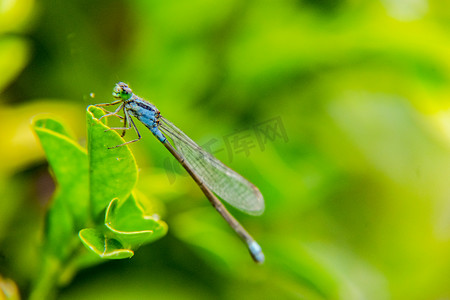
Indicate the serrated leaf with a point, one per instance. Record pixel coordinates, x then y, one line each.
128 223
113 172
102 245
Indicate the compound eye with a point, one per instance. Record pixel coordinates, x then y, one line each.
121 90
127 90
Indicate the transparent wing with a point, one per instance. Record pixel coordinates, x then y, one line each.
226 183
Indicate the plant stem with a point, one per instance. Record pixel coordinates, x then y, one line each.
45 286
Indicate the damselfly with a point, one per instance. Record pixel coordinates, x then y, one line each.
211 175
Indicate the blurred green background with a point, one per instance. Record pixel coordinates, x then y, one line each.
351 101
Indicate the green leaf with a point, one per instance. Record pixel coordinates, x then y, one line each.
93 189
127 221
51 124
113 175
126 228
113 172
102 245
69 211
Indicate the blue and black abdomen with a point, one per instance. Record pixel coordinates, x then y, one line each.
147 113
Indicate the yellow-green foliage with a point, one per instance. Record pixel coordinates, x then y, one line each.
337 110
